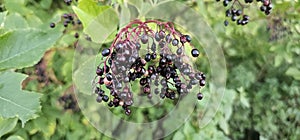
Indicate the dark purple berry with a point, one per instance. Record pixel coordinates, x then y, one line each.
175 42
52 25
105 98
105 52
200 96
195 53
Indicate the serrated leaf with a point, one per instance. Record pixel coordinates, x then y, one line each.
15 102
23 48
7 125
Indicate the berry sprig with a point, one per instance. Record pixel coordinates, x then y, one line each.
236 10
69 19
161 69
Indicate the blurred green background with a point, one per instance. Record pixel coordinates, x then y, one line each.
262 98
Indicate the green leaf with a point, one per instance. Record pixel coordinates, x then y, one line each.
46 4
23 48
100 22
294 72
15 21
178 136
16 6
87 10
244 100
15 102
7 125
224 125
2 18
15 138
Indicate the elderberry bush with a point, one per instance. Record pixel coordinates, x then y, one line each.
236 10
156 59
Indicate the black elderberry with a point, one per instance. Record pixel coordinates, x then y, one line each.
263 8
200 96
153 47
225 3
99 99
168 38
157 37
226 23
179 51
188 38
234 18
202 82
195 53
238 12
127 111
100 92
52 25
110 104
76 35
144 39
119 85
143 81
66 24
99 71
228 13
105 52
162 44
175 42
153 56
105 98
109 76
162 34
148 57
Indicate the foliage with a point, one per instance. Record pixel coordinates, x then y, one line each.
263 63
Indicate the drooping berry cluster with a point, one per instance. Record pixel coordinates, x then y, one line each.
236 10
156 59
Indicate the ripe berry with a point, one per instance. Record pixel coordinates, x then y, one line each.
157 37
175 42
188 38
127 111
99 99
105 52
226 23
195 53
202 82
105 98
179 51
109 76
76 35
200 96
52 25
263 8
99 71
148 57
144 39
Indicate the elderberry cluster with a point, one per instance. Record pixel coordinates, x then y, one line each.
236 10
155 59
67 20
